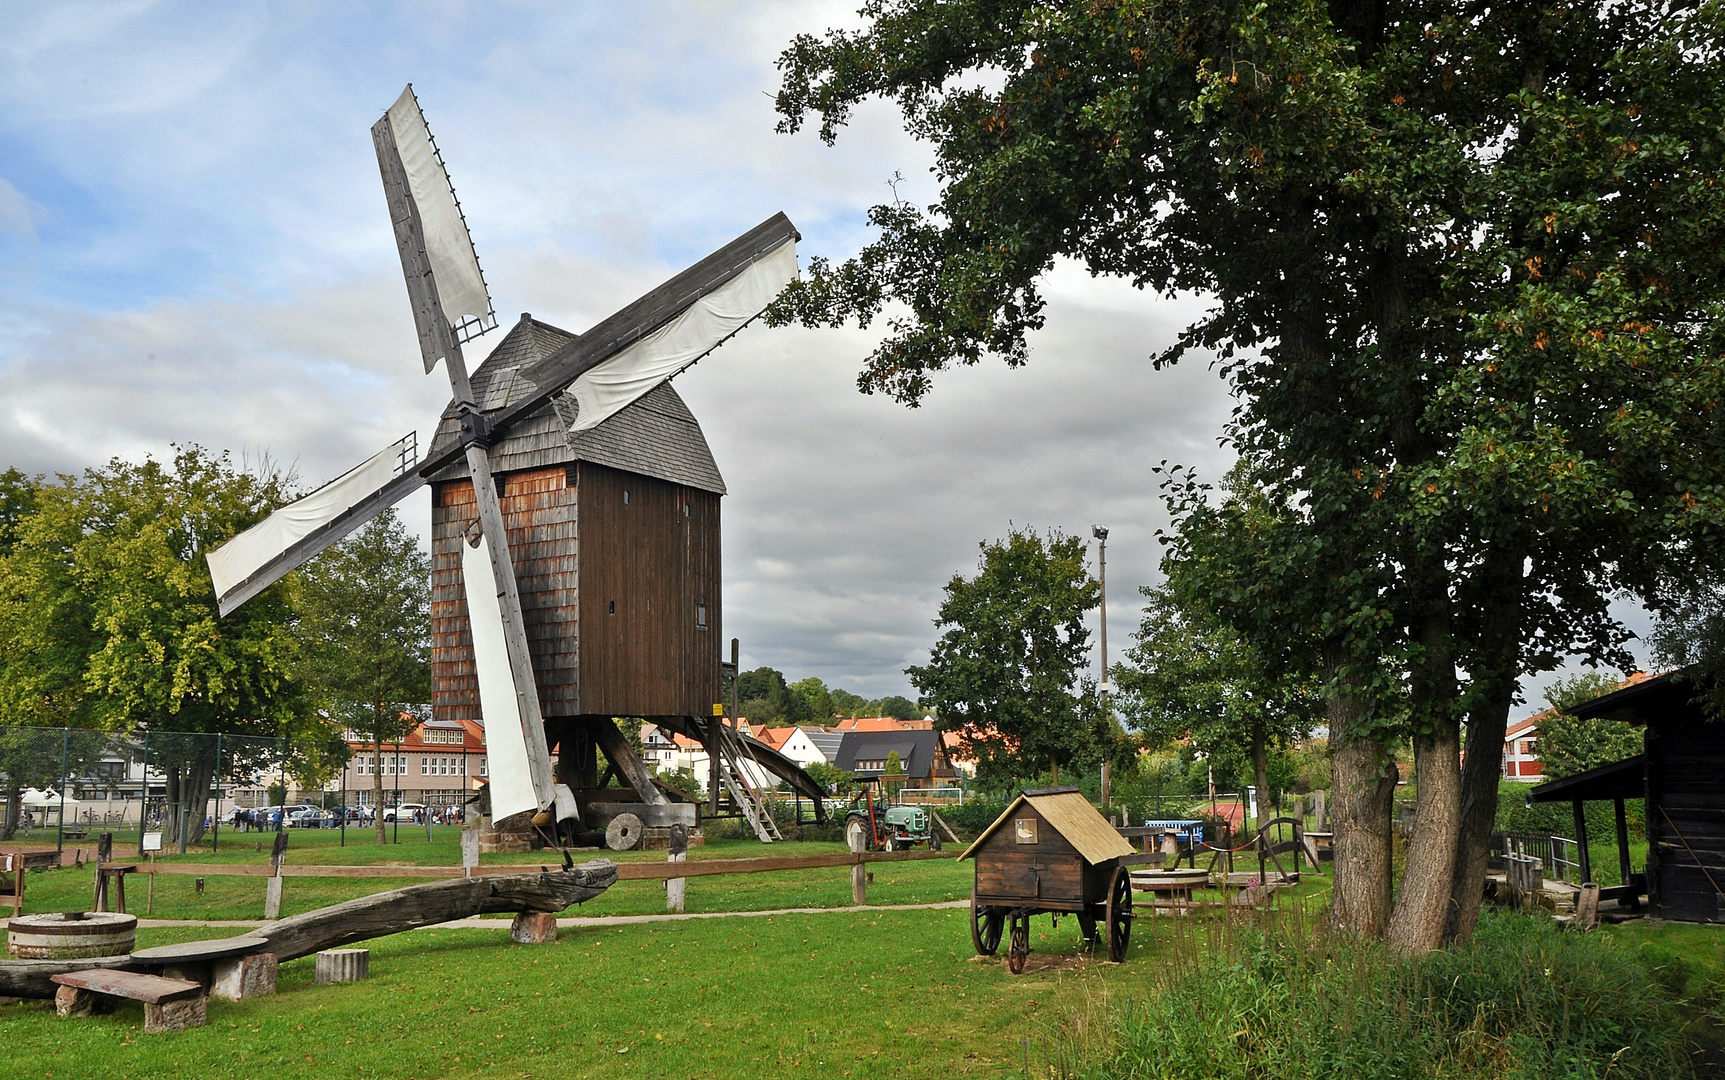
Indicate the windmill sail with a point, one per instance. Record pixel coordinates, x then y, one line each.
507 760
611 386
443 276
257 558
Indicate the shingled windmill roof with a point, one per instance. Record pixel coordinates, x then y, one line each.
656 436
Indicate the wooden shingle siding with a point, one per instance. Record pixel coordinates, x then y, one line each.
539 511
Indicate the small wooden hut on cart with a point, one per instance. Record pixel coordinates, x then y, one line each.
1681 776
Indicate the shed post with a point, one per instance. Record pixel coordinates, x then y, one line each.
1622 842
1581 843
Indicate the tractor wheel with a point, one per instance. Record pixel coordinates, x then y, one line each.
893 843
857 833
933 840
1118 914
986 923
1019 951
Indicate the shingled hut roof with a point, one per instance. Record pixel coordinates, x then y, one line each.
655 436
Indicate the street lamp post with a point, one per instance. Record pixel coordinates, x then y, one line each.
1101 535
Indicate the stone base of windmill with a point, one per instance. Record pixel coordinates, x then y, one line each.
495 841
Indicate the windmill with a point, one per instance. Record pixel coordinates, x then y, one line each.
545 388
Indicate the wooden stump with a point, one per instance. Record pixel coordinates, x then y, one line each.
1586 907
273 898
176 1015
534 928
342 966
241 978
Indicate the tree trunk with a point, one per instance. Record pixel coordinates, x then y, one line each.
1492 697
1261 770
377 776
202 774
1363 778
1422 907
14 809
173 790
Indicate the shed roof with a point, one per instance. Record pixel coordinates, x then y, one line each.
655 436
1626 779
1073 817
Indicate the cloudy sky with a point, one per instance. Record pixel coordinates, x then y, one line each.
193 248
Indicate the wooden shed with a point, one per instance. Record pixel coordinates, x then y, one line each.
1050 851
614 533
1680 776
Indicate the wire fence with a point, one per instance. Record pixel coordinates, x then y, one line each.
173 790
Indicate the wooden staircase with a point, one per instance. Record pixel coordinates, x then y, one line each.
739 795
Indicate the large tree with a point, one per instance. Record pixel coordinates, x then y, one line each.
1007 673
1466 262
366 622
110 619
1186 677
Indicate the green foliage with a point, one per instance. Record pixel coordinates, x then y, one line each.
1005 674
1189 678
899 707
1523 1001
846 703
818 699
1567 745
1516 814
831 778
366 623
684 780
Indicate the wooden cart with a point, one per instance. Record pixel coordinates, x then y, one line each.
1050 852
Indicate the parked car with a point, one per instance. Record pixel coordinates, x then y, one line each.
308 817
409 811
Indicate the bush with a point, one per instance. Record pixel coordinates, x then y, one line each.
1523 1000
1514 814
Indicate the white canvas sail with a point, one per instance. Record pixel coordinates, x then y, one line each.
507 764
448 245
696 331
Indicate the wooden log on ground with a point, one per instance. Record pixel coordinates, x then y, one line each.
440 901
33 978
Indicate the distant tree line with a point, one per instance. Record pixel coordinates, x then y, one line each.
109 625
764 697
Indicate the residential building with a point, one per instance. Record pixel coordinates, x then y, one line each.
864 755
440 762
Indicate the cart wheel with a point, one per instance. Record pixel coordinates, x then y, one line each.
986 923
1019 951
1087 929
1118 914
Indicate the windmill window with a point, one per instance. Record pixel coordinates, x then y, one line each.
625 498
685 509
612 608
700 616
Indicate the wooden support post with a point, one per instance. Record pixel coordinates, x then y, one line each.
1623 866
678 852
859 883
1581 842
150 886
241 978
469 849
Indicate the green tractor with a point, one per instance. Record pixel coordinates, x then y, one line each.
891 828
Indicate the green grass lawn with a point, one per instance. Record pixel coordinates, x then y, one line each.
876 994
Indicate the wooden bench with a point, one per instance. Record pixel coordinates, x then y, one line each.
169 1004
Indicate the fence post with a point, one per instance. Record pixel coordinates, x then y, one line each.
216 818
859 881
60 829
143 792
678 852
273 887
